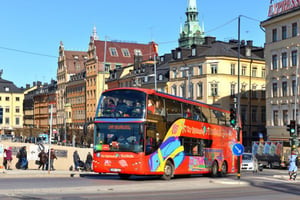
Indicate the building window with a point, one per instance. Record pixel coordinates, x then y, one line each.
160 77
284 88
7 110
284 60
294 58
284 32
232 69
263 73
214 69
194 51
118 66
254 70
254 114
263 93
200 90
174 90
243 91
294 87
6 98
294 30
17 110
263 114
274 61
6 120
125 53
17 121
17 98
274 35
232 89
214 89
113 51
200 68
182 90
174 73
183 73
254 92
285 117
178 54
137 52
107 67
244 68
275 117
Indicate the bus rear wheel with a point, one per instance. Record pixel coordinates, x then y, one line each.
168 171
214 169
223 170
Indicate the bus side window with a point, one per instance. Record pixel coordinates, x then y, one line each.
201 148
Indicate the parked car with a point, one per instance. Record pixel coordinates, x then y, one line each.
250 163
7 137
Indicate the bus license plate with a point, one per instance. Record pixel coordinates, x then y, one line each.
115 169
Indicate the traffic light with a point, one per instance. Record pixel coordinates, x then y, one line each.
292 128
232 117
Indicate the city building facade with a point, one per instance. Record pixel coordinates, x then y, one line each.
11 102
282 66
209 73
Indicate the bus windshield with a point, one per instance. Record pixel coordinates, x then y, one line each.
116 137
122 104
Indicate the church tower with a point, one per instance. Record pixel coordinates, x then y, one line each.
191 33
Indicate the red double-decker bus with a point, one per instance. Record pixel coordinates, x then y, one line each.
145 132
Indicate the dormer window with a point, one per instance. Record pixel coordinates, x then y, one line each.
125 52
146 79
162 59
76 57
160 77
137 52
113 51
194 51
178 54
6 89
143 70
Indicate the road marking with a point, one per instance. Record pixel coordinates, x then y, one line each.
276 179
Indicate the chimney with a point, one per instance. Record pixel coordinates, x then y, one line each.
34 83
249 43
38 83
27 86
209 40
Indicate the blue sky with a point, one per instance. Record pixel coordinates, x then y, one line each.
37 27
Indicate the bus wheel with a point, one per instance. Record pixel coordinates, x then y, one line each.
168 171
223 170
214 169
124 176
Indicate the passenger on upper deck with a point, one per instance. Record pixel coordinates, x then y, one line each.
150 106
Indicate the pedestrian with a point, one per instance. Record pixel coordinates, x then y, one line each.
76 160
52 157
22 156
293 167
43 159
88 162
8 158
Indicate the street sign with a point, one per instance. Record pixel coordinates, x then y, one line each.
238 149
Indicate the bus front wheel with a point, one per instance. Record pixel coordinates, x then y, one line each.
214 169
168 171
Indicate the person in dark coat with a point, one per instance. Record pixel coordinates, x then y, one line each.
22 155
76 160
43 159
89 160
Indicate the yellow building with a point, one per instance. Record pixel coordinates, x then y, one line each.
209 73
11 101
282 63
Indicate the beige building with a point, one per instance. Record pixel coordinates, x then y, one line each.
11 101
211 72
282 65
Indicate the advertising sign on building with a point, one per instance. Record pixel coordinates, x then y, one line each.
277 7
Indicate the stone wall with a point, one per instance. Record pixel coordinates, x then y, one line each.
64 154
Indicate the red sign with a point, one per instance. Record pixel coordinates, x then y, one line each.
282 6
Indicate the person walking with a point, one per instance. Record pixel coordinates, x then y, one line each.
76 160
293 168
8 158
43 159
88 162
22 156
52 157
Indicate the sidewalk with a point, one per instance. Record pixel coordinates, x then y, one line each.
15 173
